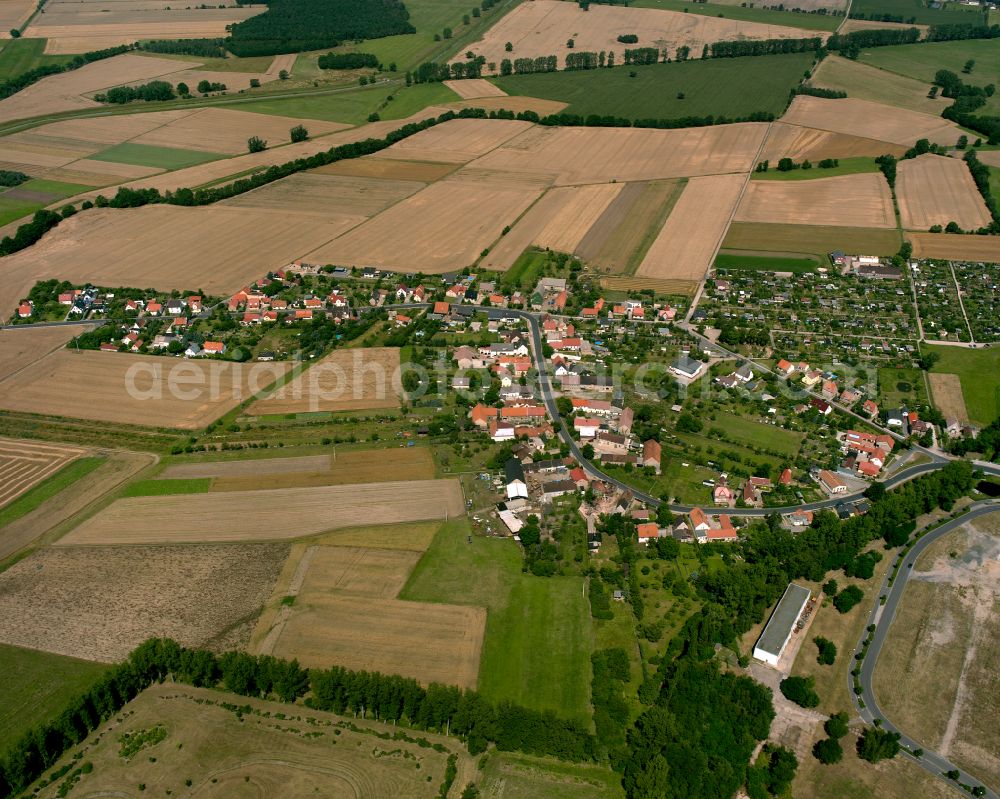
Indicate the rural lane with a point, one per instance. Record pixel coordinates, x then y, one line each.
882 616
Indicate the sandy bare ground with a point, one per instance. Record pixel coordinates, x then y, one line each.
600 155
799 143
581 208
24 464
98 603
35 527
344 380
167 247
267 515
861 200
870 120
865 82
946 390
432 231
13 14
319 194
458 141
542 27
20 347
132 389
478 87
934 190
957 248
64 92
687 242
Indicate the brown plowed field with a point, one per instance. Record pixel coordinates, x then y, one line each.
458 141
579 209
24 464
955 248
345 380
934 190
946 391
432 231
799 143
98 603
267 515
20 347
686 245
870 120
600 155
861 200
541 28
133 389
479 87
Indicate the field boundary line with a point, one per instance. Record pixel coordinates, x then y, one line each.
40 358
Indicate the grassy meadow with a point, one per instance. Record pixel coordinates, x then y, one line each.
819 22
764 263
151 155
979 372
845 166
815 240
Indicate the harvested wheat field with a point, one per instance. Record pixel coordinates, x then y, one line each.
799 144
246 468
64 92
935 190
870 120
411 536
865 82
20 347
98 603
581 208
431 232
861 200
955 248
90 172
317 194
673 288
542 27
477 87
132 389
458 141
991 157
344 380
601 155
24 464
13 14
378 573
523 232
387 169
267 515
686 245
946 391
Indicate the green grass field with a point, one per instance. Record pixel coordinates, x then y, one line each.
20 55
15 209
731 87
353 108
538 638
846 166
995 182
915 11
900 387
47 489
979 371
12 208
157 488
513 775
56 188
149 155
765 263
756 434
815 240
524 273
819 22
36 687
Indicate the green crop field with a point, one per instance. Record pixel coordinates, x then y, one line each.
15 209
149 155
513 775
846 166
353 108
732 87
154 488
56 188
820 22
47 489
36 688
765 263
20 55
538 638
979 371
14 203
916 11
815 240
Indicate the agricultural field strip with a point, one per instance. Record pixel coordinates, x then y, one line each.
475 88
243 468
24 464
267 515
861 200
934 190
21 347
955 248
799 143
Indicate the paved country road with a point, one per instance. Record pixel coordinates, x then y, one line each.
882 616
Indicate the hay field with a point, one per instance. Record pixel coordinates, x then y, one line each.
686 245
21 346
946 392
600 155
579 209
476 87
542 27
130 389
280 514
865 82
98 603
64 92
458 141
935 190
861 200
799 143
955 248
24 464
433 231
344 380
317 194
870 120
220 754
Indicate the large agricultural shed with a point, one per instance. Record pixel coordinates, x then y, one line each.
778 631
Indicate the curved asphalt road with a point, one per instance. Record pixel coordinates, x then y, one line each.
882 617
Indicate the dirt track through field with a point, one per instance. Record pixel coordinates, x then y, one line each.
861 200
267 515
934 190
946 391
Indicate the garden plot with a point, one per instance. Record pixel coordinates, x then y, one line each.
24 464
861 200
934 190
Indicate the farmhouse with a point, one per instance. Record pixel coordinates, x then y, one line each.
778 632
832 483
